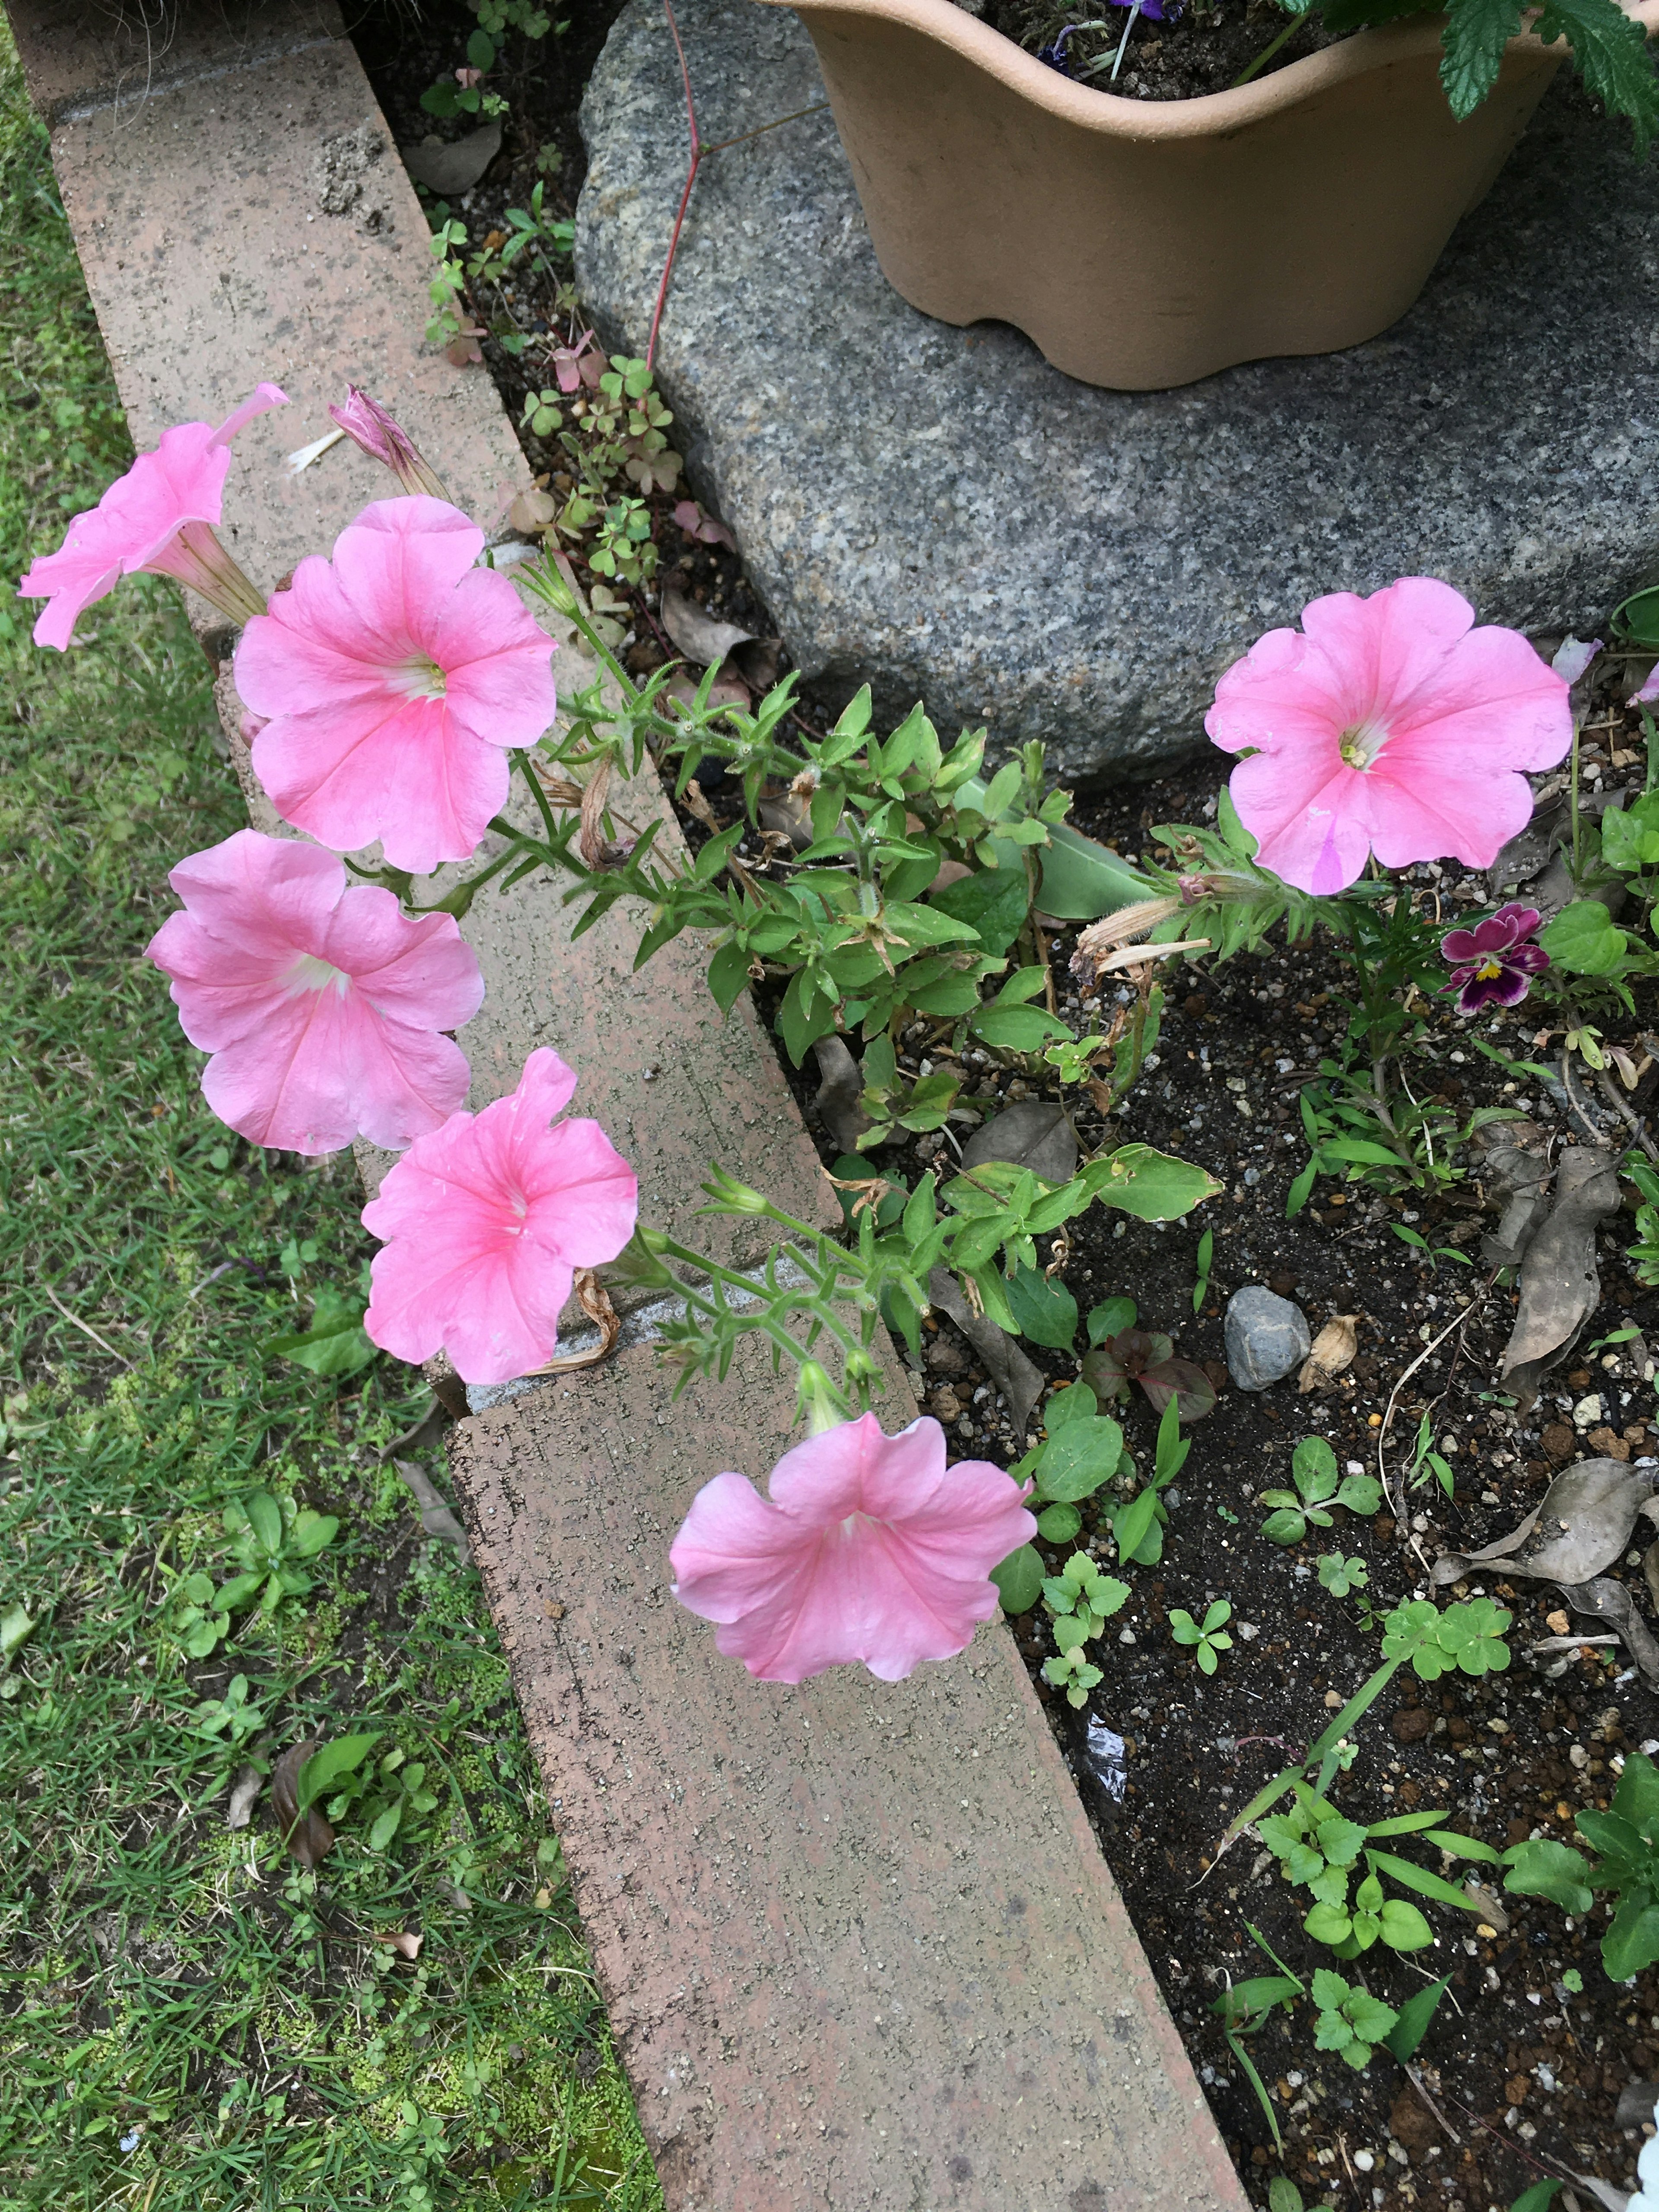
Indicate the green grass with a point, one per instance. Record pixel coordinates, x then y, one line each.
188 2020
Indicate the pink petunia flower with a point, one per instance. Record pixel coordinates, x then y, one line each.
1387 723
485 1221
323 1007
160 516
395 676
369 426
869 1549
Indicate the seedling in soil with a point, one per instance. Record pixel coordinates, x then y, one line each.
1314 1471
1138 1528
1351 2022
1426 1463
1340 1576
268 1537
893 1105
1080 1600
1146 1356
1321 1852
1245 2008
1421 1243
1469 1636
1284 2196
1082 1450
1201 1287
1208 1639
1627 1838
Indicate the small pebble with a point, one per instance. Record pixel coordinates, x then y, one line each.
1267 1336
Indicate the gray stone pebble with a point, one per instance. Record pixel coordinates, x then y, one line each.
1267 1337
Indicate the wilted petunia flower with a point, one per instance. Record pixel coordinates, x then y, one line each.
869 1549
323 1007
485 1221
158 517
395 675
369 426
1387 723
1492 964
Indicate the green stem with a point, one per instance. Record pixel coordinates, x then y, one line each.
523 762
810 1299
1357 1707
1268 52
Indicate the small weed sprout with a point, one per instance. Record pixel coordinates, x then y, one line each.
1206 1638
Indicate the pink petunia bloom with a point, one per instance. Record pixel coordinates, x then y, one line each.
1387 725
160 516
485 1223
322 1007
394 677
869 1549
369 426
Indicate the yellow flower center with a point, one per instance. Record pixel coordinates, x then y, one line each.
1484 975
1360 743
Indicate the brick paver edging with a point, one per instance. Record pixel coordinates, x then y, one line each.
860 1948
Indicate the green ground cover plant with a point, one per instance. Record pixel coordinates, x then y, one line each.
195 2020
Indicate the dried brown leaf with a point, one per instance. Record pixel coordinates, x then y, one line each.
455 169
533 511
1033 1135
699 637
841 1085
1333 1350
1609 1601
244 1795
308 1835
405 1945
595 1302
1561 1286
1008 1366
1582 1525
436 1518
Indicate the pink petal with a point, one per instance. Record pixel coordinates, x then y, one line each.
265 397
307 1057
869 1550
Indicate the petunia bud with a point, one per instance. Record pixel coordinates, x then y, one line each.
366 424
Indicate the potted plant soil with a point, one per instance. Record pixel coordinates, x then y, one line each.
1251 182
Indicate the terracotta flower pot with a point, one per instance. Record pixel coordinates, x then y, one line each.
1147 243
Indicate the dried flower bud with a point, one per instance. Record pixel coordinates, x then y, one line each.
366 424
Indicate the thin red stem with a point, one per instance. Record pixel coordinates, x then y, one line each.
685 196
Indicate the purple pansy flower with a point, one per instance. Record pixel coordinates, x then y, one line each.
1493 964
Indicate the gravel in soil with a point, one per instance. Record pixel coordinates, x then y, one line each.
1520 2073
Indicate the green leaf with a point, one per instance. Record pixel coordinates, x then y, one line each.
1135 1524
1149 1184
1637 1798
1043 1307
1111 1318
1313 1465
335 1344
1404 1929
992 901
918 926
310 1534
1360 1493
728 976
1018 1579
15 1630
386 1827
1081 880
1631 1944
1078 1458
1610 53
1327 1923
1078 1403
1544 1868
1412 2025
331 1763
1410 1876
1582 937
1058 1525
265 1518
481 50
1285 1527
1539 2197
1016 1029
1472 46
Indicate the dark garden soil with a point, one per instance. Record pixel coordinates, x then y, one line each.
1521 2074
1184 55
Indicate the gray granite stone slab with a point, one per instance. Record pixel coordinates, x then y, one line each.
940 512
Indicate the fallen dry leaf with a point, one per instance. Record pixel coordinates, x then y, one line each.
1008 1366
1609 1601
1582 1525
841 1085
308 1835
1333 1349
727 689
436 1518
1515 1177
453 169
244 1794
1033 1135
1561 1286
405 1945
699 637
533 511
595 1302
